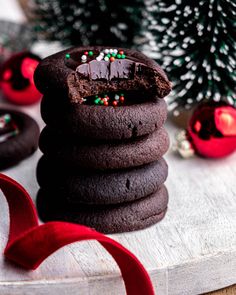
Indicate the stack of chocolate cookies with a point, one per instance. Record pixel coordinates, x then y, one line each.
104 139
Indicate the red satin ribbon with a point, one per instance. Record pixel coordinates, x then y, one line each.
29 243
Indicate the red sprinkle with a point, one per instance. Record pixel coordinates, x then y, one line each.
122 99
86 52
121 52
112 58
114 103
105 103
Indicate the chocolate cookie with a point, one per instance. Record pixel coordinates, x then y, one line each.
102 122
107 187
84 71
72 152
106 218
19 135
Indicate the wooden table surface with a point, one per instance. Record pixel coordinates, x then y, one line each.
226 291
192 251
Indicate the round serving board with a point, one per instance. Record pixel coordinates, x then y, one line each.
192 251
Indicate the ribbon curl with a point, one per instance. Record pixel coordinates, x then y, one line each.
29 243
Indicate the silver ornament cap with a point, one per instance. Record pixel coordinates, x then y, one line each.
182 145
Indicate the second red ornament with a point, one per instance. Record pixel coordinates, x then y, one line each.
16 79
211 132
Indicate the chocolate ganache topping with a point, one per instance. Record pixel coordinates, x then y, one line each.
105 70
93 68
110 70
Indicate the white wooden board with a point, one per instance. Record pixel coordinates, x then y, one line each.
193 250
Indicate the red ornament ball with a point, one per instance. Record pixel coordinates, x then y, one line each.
212 130
16 79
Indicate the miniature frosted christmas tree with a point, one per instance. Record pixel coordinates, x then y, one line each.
195 42
81 22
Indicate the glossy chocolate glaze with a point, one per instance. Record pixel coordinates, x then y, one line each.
103 70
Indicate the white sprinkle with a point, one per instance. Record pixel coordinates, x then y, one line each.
106 51
111 50
117 97
106 58
98 58
115 51
83 58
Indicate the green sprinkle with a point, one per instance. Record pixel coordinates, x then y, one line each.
123 56
101 102
7 118
67 56
96 96
108 55
113 54
122 94
90 53
96 101
118 55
